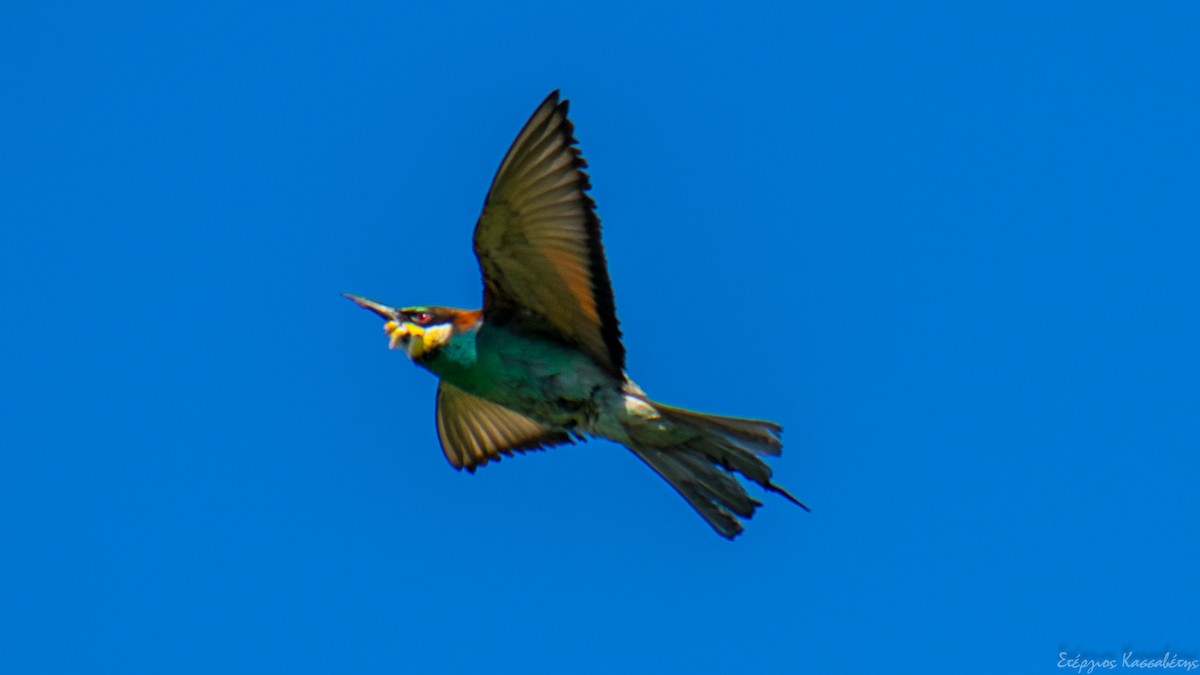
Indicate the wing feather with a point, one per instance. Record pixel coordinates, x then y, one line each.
474 431
538 243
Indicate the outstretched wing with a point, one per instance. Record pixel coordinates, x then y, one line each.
474 431
538 243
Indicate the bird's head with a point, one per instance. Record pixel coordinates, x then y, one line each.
420 331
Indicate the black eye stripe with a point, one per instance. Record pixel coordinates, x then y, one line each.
421 317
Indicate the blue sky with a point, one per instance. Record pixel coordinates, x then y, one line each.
951 248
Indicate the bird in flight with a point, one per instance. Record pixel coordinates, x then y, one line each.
542 364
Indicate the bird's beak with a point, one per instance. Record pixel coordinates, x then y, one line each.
382 310
398 333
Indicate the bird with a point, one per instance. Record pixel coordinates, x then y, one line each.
542 364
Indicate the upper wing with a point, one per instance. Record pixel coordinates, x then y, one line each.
538 242
473 430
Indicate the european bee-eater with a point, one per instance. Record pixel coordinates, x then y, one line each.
542 363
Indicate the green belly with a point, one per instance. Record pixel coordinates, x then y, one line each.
543 379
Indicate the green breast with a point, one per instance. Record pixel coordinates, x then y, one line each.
520 371
456 361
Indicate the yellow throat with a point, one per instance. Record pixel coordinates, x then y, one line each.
416 340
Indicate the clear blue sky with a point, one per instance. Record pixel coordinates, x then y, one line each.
952 249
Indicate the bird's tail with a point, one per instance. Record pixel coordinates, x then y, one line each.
701 467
